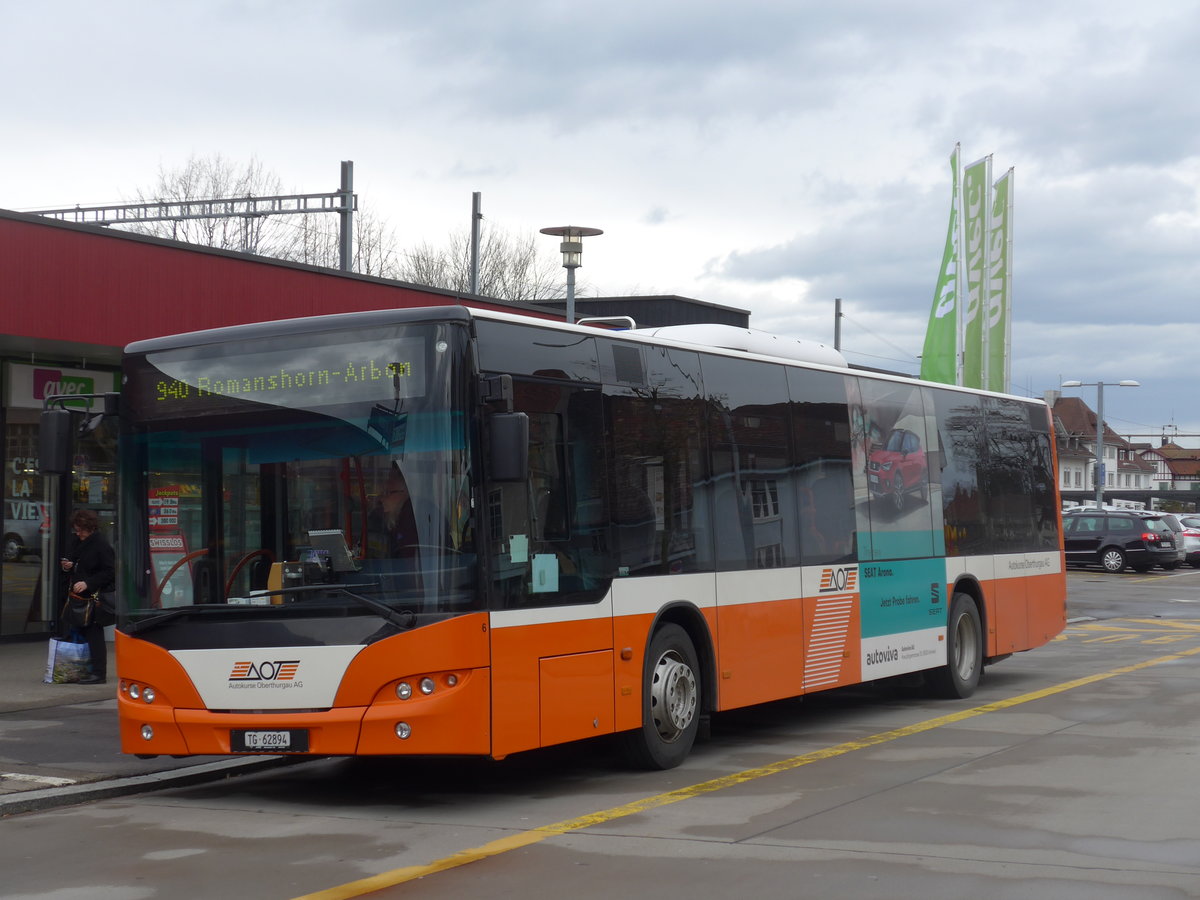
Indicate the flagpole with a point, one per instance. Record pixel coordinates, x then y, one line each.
960 271
1008 288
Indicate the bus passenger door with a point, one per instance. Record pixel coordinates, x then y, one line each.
551 616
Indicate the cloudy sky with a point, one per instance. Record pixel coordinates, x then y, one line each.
766 155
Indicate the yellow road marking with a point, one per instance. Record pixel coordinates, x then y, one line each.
1168 623
1125 626
536 835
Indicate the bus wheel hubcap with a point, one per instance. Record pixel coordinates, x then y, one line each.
672 696
966 642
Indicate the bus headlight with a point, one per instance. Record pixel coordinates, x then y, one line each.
404 690
427 685
148 695
403 730
147 732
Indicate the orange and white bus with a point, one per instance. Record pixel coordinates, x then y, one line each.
450 531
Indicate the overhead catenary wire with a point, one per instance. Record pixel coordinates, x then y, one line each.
912 358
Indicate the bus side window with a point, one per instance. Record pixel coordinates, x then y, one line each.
822 463
551 547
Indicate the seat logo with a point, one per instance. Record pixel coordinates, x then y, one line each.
268 670
836 580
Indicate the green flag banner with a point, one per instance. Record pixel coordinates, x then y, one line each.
977 179
939 359
999 304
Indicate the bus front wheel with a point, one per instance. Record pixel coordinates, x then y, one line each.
964 652
670 702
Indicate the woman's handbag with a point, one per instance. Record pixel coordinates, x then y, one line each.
78 611
105 612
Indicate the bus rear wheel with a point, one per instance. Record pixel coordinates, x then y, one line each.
964 652
670 702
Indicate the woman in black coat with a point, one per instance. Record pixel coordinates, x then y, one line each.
91 567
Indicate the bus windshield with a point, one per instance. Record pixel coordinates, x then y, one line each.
319 473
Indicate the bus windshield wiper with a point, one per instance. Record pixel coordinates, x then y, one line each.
170 615
403 619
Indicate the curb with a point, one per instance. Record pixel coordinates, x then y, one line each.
69 795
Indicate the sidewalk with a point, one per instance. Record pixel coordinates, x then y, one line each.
59 743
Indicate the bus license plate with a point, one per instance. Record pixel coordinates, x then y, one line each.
290 741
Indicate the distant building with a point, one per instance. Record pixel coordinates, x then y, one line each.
1075 436
1176 468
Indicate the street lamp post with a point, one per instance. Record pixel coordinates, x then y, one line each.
1099 386
572 251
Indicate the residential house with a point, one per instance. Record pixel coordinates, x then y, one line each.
1075 436
1176 468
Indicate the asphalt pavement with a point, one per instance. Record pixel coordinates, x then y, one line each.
60 745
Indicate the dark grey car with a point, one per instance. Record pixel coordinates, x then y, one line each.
1114 540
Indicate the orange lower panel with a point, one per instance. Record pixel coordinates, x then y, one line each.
630 634
516 664
1046 601
1024 613
760 652
1007 625
576 696
332 733
452 720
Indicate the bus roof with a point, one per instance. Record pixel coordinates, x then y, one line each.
725 339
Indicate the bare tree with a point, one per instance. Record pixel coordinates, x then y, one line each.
308 238
510 268
315 242
210 178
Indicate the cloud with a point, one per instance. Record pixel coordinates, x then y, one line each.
765 155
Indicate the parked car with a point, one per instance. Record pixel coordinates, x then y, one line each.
24 524
1114 540
1191 537
1176 526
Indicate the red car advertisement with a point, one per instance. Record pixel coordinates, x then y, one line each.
898 468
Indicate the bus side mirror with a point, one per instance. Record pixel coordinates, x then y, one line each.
56 434
509 454
56 442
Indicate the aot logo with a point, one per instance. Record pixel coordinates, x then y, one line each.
269 670
839 579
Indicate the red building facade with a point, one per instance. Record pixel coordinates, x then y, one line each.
71 297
